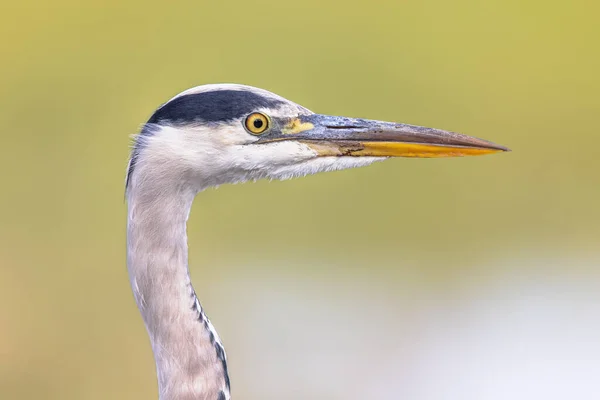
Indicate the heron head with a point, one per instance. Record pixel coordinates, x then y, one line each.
216 134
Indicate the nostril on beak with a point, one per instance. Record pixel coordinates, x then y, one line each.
343 127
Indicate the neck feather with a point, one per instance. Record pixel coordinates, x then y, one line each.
190 359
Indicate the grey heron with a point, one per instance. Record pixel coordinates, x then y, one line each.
216 134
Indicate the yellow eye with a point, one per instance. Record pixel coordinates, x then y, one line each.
257 123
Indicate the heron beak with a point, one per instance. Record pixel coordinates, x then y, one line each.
342 136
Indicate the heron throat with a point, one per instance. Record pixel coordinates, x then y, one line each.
190 358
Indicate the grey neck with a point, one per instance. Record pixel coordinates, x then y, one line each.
190 359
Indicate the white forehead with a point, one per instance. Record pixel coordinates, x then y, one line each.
287 107
229 86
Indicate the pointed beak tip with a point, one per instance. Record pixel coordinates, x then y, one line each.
501 148
485 145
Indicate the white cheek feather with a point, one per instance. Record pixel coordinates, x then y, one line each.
212 156
320 164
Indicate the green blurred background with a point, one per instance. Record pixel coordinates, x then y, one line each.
470 278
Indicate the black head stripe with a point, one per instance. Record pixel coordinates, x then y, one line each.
213 106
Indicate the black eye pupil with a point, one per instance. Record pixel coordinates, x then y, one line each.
257 123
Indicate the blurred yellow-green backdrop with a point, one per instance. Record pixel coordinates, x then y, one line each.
470 278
